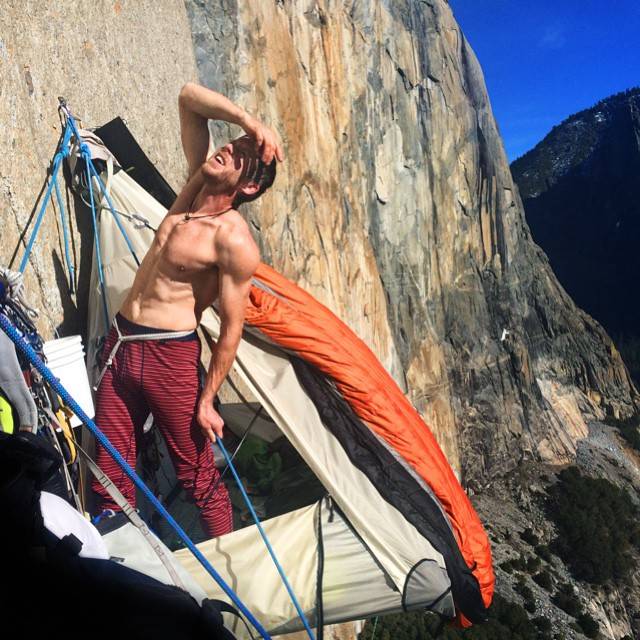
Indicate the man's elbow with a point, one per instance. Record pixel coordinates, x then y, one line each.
186 93
230 337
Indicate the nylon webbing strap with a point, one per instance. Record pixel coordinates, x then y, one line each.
165 335
56 444
132 514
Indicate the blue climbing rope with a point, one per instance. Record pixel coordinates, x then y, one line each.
96 237
63 151
86 154
25 348
292 595
65 236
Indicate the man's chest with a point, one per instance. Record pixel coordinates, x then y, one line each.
186 247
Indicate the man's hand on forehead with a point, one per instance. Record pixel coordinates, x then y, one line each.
267 144
246 147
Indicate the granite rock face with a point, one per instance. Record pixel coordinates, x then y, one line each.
395 206
397 209
107 59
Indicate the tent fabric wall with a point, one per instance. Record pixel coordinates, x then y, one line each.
242 560
353 584
393 541
391 480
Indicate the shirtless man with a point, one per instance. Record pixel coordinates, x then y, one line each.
202 252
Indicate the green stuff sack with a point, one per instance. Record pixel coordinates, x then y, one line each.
258 464
6 415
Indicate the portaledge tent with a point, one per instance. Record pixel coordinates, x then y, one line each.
396 530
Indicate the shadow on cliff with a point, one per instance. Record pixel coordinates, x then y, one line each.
24 234
75 306
587 224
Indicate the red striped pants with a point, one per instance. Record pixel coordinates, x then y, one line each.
158 377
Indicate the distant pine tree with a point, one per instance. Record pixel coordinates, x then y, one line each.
597 526
507 621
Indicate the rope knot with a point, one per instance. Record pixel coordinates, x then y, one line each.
13 285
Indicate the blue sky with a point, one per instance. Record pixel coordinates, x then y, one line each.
544 60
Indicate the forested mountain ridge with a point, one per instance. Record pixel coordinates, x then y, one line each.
580 188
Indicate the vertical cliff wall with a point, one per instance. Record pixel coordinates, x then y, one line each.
107 58
397 209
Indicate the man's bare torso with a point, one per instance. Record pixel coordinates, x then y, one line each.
179 277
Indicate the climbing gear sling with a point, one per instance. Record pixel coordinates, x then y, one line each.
164 335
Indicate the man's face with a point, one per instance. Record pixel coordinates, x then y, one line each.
229 166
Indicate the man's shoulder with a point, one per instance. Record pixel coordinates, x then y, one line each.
235 218
234 230
235 245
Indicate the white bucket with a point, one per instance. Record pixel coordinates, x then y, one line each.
65 358
62 345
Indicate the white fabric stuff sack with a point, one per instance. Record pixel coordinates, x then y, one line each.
62 519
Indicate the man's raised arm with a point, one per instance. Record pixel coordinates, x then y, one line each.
198 105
